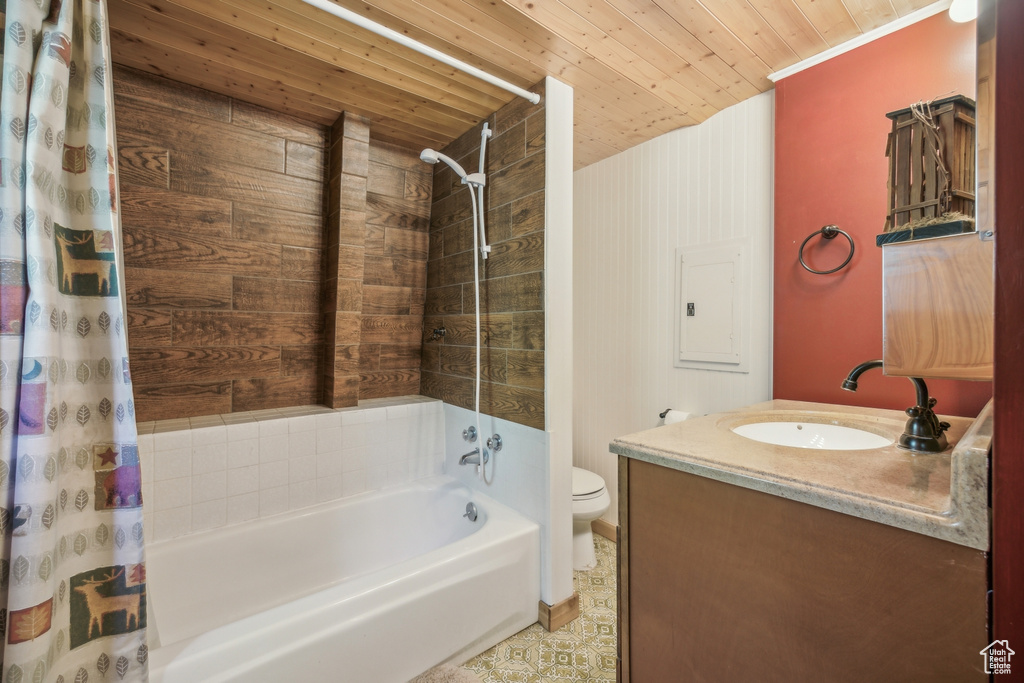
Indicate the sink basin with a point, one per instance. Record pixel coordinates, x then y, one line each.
812 435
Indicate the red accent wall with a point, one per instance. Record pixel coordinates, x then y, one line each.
831 168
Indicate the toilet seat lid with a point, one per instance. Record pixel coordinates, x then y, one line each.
585 482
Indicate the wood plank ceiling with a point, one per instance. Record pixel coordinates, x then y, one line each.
639 68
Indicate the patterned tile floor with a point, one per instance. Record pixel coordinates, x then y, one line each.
581 651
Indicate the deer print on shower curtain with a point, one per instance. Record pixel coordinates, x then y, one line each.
73 594
71 265
99 605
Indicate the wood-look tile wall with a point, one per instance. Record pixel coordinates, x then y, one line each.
348 164
223 217
378 217
238 297
398 189
512 285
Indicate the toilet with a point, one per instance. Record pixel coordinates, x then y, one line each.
590 500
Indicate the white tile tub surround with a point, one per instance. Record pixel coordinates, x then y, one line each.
517 476
209 472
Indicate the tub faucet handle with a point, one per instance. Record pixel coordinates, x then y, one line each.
469 434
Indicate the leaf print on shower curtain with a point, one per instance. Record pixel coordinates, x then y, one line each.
72 573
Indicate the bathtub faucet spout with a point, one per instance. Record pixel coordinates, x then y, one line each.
473 457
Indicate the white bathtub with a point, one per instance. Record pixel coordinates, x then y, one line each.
371 589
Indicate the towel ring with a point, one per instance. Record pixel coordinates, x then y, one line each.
828 232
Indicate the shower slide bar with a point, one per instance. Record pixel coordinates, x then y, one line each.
402 39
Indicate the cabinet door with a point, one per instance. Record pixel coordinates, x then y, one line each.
728 584
937 308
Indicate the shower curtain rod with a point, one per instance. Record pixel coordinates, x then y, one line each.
363 22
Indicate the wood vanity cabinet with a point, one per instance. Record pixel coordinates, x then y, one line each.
722 583
937 307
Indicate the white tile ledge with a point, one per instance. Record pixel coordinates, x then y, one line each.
182 423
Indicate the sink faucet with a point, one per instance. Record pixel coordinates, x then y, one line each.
473 457
923 432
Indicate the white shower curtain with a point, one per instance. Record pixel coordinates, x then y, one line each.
72 572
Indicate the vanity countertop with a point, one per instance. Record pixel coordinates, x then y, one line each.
943 495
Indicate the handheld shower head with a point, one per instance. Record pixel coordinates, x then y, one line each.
431 157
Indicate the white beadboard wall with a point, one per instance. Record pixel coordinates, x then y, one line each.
692 186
